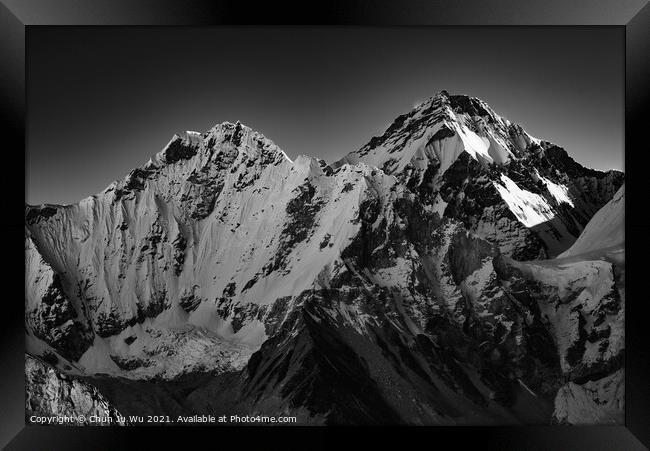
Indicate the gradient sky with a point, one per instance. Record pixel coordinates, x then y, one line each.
101 101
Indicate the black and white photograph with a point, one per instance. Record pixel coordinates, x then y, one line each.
376 218
367 227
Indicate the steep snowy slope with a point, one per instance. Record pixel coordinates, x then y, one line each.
605 230
402 284
599 396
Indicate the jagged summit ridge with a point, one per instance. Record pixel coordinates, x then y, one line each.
219 136
224 145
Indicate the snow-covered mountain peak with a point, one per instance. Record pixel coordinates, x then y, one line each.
437 131
461 157
238 135
224 151
221 137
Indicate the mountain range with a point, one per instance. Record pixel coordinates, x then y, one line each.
454 270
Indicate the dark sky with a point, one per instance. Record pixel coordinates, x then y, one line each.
101 101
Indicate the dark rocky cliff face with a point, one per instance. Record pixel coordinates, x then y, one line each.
51 394
409 283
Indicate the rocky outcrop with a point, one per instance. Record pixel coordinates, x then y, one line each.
593 402
63 399
50 313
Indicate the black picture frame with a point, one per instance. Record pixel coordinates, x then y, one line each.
16 18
